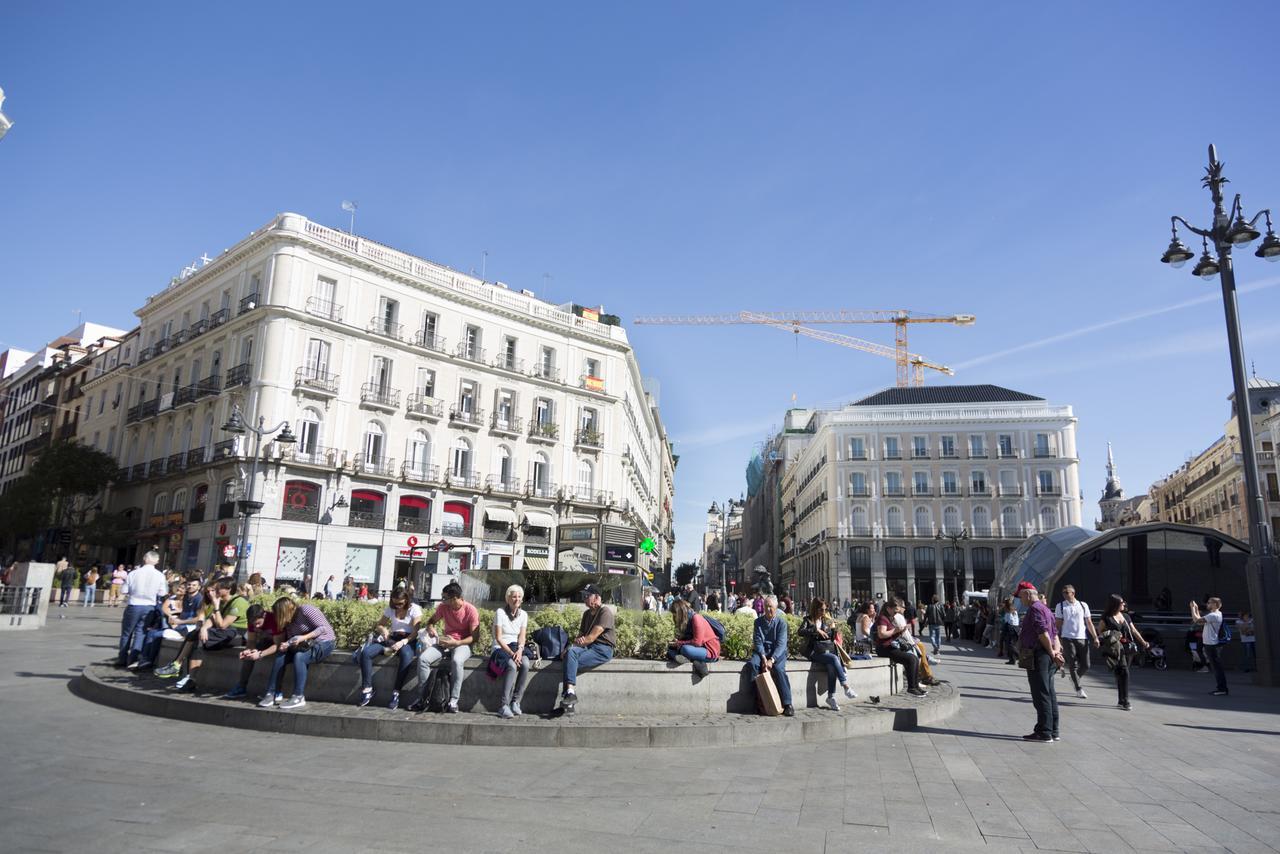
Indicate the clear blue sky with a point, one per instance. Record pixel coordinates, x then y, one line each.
1008 160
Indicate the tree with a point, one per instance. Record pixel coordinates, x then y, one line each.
58 491
685 573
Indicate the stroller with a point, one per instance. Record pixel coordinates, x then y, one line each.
1153 655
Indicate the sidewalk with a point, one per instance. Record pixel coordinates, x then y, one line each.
1182 771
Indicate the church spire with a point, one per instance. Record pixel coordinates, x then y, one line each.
1113 490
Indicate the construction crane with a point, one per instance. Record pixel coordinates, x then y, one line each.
910 365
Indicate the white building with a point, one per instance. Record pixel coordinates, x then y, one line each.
921 490
426 403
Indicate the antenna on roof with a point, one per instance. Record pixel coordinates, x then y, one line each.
484 262
350 207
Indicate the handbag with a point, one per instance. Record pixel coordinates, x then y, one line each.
1027 658
498 664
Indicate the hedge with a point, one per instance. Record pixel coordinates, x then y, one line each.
641 634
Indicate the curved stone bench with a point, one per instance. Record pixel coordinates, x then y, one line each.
105 684
624 686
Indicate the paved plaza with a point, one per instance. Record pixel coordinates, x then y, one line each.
1182 771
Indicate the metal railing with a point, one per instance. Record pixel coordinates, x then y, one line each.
375 394
1041 453
314 456
464 479
545 489
473 418
512 424
1048 490
316 379
184 395
423 406
859 492
225 448
420 472
328 309
366 519
249 303
978 454
381 466
979 490
1010 490
469 352
923 491
208 386
20 601
177 462
413 525
237 376
157 467
198 328
305 513
894 491
544 430
507 362
1008 453
385 328
450 529
545 372
497 483
429 341
219 317
586 495
588 437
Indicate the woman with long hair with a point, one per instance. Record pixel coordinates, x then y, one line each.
1120 639
395 634
820 633
862 626
694 639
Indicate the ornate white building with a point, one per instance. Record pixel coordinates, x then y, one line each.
426 403
924 490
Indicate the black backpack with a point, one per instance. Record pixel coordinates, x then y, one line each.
551 641
441 686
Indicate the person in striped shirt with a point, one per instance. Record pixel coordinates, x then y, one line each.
303 637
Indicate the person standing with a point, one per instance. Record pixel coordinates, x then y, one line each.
143 589
66 579
1248 641
90 586
1010 624
330 588
1211 621
1038 644
935 617
1075 628
1122 638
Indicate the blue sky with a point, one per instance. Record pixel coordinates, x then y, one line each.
1012 161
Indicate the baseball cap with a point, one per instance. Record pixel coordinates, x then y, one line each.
1026 585
590 590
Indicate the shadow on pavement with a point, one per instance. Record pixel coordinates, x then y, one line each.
933 730
1228 729
26 674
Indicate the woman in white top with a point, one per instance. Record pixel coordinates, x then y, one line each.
510 625
395 634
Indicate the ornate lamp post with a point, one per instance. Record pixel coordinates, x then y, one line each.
1229 230
957 558
247 505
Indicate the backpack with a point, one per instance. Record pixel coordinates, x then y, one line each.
439 689
1224 632
551 641
716 626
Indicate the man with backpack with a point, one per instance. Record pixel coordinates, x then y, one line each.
592 647
1216 634
1075 627
461 629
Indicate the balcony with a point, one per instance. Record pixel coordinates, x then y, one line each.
200 327
122 474
1010 491
219 317
858 455
145 354
248 304
544 490
413 525
420 473
176 463
367 464
591 383
894 492
979 491
1048 490
1043 453
224 449
158 348
545 372
505 486
859 532
1009 453
894 454
316 381
378 396
138 472
324 308
502 534
978 454
859 492
589 438
536 539
951 454
306 513
920 454
950 491
464 479
68 430
469 352
315 455
540 431
468 419
208 386
419 405
157 468
923 491
195 457
375 519
586 495
227 510
452 530
506 425
428 341
386 329
238 376
184 395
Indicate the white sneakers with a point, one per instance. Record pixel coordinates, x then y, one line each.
1081 694
832 704
849 692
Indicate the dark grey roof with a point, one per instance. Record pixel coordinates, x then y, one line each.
944 394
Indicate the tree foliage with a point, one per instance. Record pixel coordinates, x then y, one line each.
55 489
685 573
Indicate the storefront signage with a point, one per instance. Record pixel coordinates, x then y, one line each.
537 551
619 554
576 533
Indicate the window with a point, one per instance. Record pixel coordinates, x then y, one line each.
194 374
1042 444
111 441
509 353
891 449
978 482
586 478
1005 443
471 343
589 419
895 558
892 483
325 294
893 519
921 482
920 447
380 373
591 367
160 504
419 452
374 442
858 522
317 364
506 467
543 412
1045 481
426 382
951 520
429 324
977 446
505 408
981 522
950 483
948 446
1048 518
246 349
255 285
857 483
1009 522
308 434
179 504
924 522
547 363
541 473
462 458
857 448
388 314
467 394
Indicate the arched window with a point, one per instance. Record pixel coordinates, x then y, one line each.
1009 522
418 454
1048 518
227 499
924 522
896 528
504 466
586 478
375 443
540 474
186 437
309 438
457 518
951 521
895 558
368 509
199 501
925 561
301 501
858 522
179 504
461 464
206 434
148 450
981 522
160 504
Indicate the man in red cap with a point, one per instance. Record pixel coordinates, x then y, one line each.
1038 638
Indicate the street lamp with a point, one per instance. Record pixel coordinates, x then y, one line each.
1231 229
247 506
957 558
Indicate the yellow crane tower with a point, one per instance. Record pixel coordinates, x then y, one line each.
910 365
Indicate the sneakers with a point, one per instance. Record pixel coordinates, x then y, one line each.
295 702
505 712
1126 707
700 668
681 659
515 709
235 693
133 666
452 708
788 711
1056 738
917 692
168 671
1038 737
268 701
849 692
1217 693
185 685
832 704
569 703
395 701
366 697
1081 694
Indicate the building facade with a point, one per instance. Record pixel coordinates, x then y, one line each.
427 405
924 491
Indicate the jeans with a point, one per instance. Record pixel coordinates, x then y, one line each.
513 681
64 595
780 680
432 656
935 637
374 650
131 635
1043 694
1214 655
689 651
300 659
835 668
1076 652
88 596
261 642
584 658
1249 659
151 644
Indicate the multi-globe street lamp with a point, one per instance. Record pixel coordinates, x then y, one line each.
956 570
247 505
1231 229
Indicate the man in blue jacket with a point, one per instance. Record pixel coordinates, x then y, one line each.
770 642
